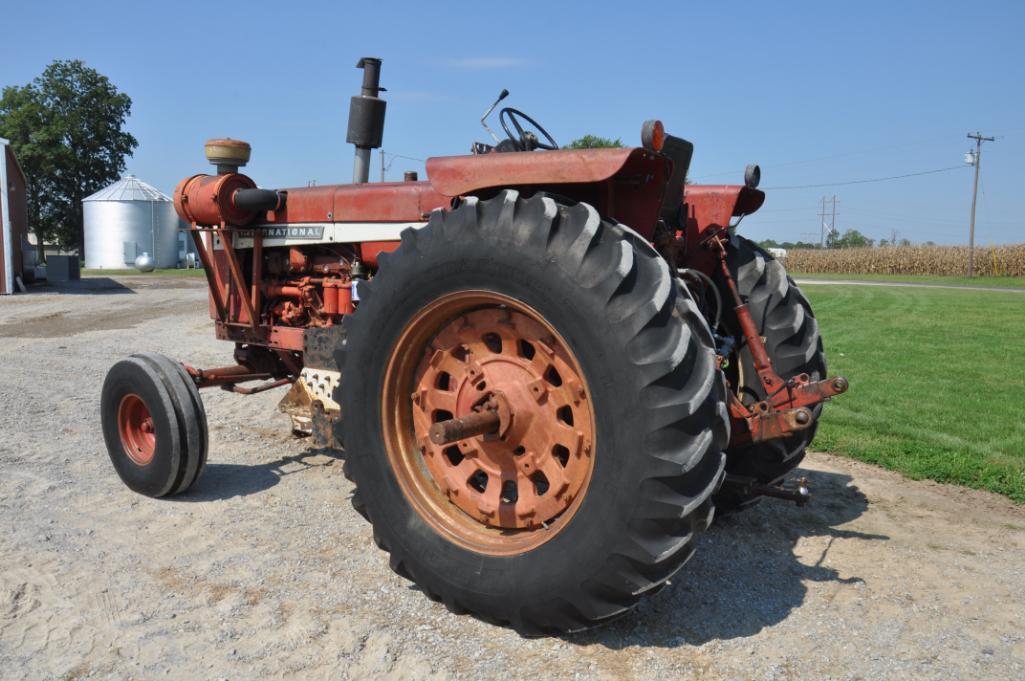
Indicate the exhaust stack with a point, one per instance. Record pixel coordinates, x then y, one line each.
366 118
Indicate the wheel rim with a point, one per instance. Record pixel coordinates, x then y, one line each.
505 492
135 425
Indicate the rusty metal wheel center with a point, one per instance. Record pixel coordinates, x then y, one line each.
534 463
502 424
135 425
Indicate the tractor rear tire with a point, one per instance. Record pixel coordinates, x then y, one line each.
786 322
154 425
645 399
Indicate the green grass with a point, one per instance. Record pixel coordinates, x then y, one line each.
172 272
992 282
937 382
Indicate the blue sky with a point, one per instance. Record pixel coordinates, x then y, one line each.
815 92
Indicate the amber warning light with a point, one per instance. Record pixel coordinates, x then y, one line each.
653 135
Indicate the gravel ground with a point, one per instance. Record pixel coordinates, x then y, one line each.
263 569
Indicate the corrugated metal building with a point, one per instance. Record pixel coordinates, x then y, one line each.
127 219
13 219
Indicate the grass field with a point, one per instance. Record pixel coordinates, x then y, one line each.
937 382
991 282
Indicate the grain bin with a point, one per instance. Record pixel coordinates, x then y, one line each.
125 220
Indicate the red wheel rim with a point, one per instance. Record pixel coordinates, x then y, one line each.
507 492
135 425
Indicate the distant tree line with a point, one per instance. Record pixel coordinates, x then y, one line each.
850 238
788 245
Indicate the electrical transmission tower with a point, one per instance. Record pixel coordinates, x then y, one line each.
822 221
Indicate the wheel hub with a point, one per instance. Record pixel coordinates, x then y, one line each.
135 425
536 460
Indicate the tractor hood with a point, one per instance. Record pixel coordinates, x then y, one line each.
460 175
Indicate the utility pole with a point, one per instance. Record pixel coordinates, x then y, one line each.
977 161
382 165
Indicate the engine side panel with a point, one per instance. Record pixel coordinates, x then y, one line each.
360 203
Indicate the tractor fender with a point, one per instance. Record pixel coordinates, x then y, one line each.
461 175
710 208
715 204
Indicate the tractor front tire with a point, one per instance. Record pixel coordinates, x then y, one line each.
594 495
154 425
785 320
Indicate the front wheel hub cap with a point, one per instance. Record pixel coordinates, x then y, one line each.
135 426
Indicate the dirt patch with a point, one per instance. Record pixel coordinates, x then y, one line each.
67 324
265 571
78 307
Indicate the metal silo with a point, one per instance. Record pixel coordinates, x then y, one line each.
127 219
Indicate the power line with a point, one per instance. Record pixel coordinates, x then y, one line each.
874 179
887 215
387 166
804 209
870 226
926 220
408 158
924 141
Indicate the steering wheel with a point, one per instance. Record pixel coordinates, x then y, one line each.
513 116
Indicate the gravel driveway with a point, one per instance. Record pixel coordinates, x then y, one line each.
263 569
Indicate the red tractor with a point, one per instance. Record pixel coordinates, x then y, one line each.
547 367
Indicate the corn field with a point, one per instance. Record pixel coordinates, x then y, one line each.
990 261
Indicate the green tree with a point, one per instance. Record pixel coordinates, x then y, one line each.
851 238
788 245
594 142
833 238
66 127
